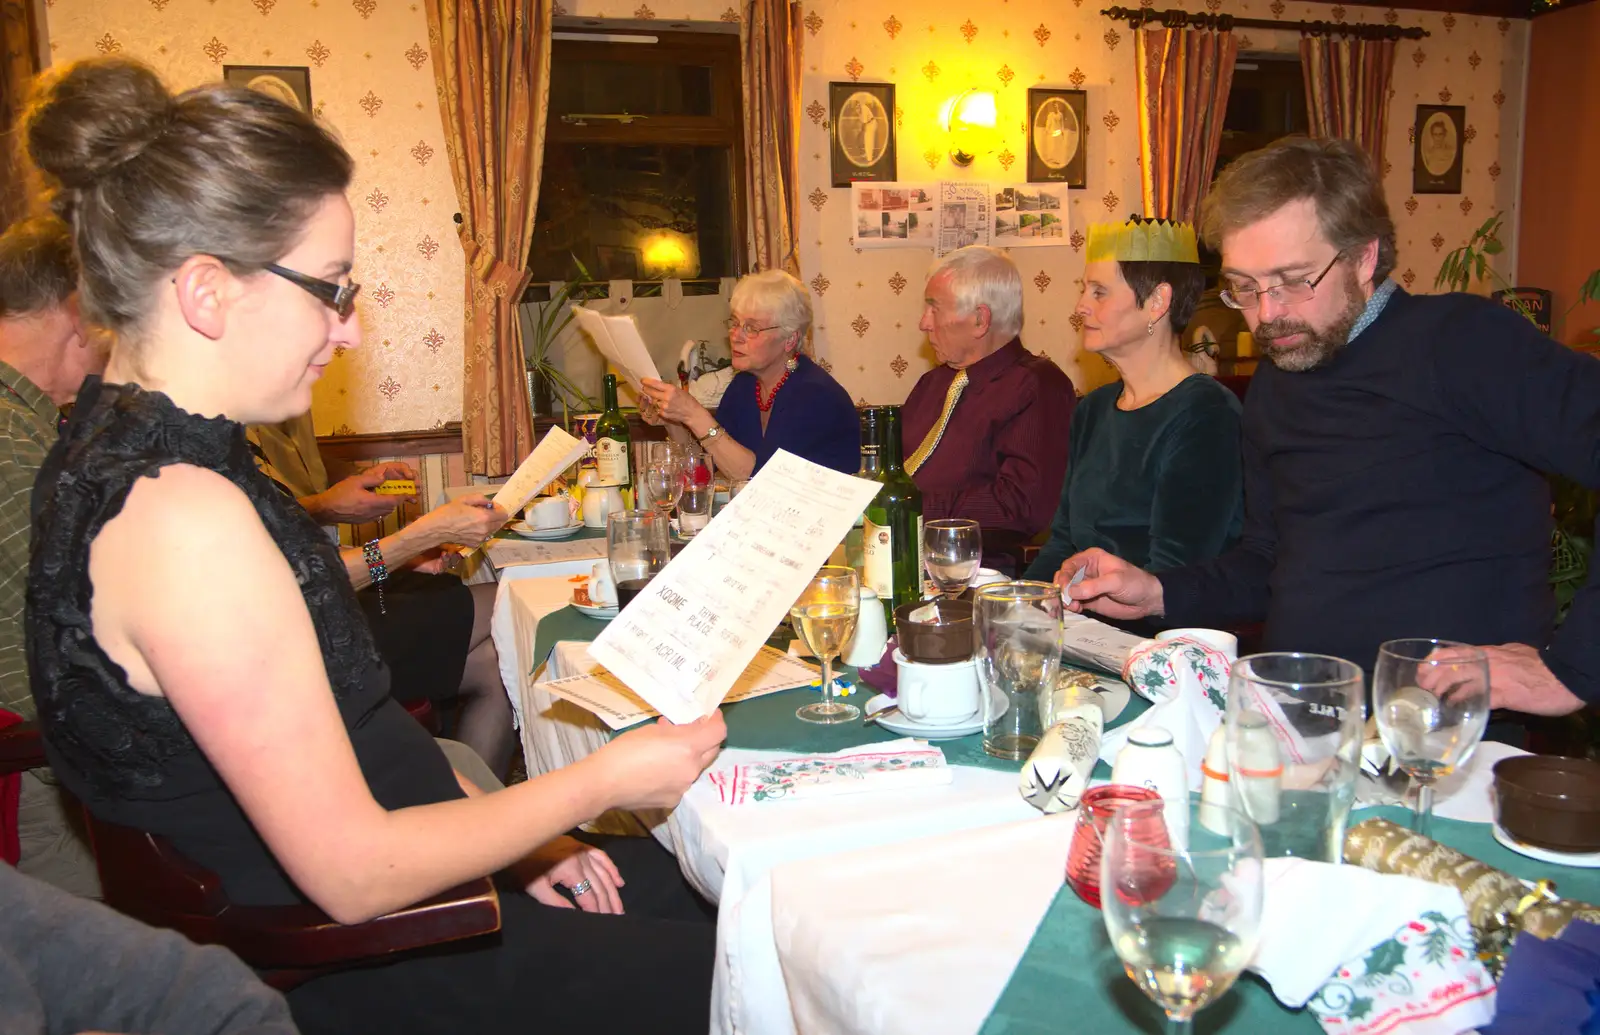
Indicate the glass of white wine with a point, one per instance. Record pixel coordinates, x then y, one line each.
1183 908
825 619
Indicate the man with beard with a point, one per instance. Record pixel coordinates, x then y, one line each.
1392 448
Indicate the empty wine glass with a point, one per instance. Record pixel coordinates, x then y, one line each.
636 549
1431 701
664 475
952 549
825 618
1183 913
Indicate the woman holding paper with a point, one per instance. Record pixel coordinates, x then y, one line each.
779 399
201 668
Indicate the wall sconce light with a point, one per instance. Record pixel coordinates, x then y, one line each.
970 119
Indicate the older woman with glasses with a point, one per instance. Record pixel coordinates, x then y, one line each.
780 398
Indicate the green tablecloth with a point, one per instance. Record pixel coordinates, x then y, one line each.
1070 969
769 724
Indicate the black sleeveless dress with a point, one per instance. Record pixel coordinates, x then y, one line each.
130 760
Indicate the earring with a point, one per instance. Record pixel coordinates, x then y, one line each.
1150 329
791 363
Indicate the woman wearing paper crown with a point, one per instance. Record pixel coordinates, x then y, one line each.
1154 472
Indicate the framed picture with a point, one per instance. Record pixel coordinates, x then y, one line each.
1057 125
618 263
861 132
290 84
1440 132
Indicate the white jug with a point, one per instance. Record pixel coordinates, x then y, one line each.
871 638
600 502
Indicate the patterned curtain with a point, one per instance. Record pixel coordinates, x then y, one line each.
1347 89
770 40
1184 77
19 62
491 61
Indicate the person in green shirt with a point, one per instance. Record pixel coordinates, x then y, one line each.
45 353
1154 470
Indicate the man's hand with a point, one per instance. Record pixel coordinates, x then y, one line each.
352 501
1110 585
1520 681
570 862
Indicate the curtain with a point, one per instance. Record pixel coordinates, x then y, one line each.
19 62
1184 77
1347 89
770 42
491 62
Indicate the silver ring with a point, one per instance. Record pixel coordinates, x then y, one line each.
583 887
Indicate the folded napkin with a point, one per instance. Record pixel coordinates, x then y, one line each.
1368 952
1187 682
885 675
1551 987
871 767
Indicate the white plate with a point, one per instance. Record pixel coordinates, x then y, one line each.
1583 860
527 531
899 723
603 613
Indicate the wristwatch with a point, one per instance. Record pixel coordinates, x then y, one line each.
711 434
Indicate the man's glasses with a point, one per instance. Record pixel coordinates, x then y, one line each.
747 328
1288 293
340 297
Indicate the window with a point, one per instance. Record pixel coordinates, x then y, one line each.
1266 101
643 162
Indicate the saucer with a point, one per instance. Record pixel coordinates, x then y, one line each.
1582 860
527 531
900 723
605 614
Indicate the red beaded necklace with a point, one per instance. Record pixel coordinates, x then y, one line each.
766 407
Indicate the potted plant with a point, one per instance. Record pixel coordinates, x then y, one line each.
547 383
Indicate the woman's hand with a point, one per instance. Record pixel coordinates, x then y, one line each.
467 521
652 766
570 862
674 404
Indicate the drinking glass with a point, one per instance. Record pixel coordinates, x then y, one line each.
699 488
825 618
1294 728
1184 915
737 486
1018 626
1431 700
1095 810
636 547
664 475
952 549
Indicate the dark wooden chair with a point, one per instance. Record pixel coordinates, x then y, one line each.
144 877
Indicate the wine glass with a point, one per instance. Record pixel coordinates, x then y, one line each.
952 549
664 475
1183 912
825 618
1431 700
1018 627
636 548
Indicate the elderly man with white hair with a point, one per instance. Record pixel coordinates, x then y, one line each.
985 432
779 399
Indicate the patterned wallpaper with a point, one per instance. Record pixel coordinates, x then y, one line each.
379 95
372 81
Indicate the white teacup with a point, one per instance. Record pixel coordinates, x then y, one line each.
550 512
942 695
602 590
1224 643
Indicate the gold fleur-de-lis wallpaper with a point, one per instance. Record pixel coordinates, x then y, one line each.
372 78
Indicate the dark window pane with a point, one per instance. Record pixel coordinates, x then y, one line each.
634 212
627 87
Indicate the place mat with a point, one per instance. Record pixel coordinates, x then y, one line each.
1069 964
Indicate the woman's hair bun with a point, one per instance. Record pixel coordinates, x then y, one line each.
93 116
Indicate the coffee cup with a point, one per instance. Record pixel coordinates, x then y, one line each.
940 695
550 512
602 590
1224 643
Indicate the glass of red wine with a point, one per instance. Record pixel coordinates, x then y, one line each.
636 548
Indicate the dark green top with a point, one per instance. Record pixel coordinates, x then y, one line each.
1160 486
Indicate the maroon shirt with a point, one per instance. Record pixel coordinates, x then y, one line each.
1004 454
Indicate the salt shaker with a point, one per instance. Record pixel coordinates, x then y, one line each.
1215 794
1257 767
1150 759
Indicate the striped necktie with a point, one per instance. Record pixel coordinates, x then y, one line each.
935 433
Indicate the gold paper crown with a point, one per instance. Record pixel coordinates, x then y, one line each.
1143 241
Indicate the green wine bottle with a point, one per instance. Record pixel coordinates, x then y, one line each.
611 441
892 532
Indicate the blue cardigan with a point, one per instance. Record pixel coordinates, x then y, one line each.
812 417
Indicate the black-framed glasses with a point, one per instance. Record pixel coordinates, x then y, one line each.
1288 293
747 328
341 298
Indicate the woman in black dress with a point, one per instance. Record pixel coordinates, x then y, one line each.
200 664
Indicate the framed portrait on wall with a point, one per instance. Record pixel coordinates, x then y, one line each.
290 84
1440 132
1057 126
861 133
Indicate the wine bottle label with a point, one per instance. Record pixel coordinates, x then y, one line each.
610 461
877 546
